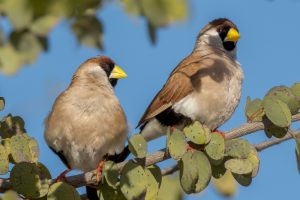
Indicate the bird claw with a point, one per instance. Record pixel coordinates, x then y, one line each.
99 170
220 132
62 176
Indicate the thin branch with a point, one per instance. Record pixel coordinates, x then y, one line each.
169 170
161 155
269 143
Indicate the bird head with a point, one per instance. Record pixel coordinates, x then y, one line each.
219 33
100 69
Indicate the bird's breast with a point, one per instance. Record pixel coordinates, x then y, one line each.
215 100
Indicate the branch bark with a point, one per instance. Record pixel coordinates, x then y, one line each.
89 178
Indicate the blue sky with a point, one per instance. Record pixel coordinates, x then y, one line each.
268 51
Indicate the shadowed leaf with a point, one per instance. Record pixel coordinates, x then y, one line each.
29 180
226 185
3 160
177 144
133 181
138 146
62 191
197 133
277 112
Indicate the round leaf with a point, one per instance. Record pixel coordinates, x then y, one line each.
2 103
239 166
243 179
4 161
177 144
10 195
218 170
62 191
215 149
195 172
286 95
254 110
111 174
165 193
154 178
138 146
225 185
296 90
254 159
23 148
237 148
197 133
133 181
272 130
277 112
28 179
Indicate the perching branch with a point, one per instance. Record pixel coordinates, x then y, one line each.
89 178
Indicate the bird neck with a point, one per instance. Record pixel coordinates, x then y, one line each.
206 48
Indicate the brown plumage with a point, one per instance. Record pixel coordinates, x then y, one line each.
205 86
87 122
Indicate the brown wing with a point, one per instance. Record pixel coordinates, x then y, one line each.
177 87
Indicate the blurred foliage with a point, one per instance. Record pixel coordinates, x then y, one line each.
201 156
32 20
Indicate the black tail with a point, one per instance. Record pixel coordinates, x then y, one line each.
117 158
91 193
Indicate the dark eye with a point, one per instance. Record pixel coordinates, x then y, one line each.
106 68
223 30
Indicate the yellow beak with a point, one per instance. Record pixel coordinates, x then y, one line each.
232 35
118 73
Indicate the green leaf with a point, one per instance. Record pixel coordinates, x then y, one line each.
243 179
215 149
9 66
254 110
18 12
286 95
10 195
255 161
4 161
297 151
133 181
29 180
88 30
164 12
237 148
226 185
132 7
2 103
111 173
106 192
154 179
27 45
23 148
62 191
296 90
177 144
218 170
197 133
277 112
239 166
138 146
272 130
42 25
195 172
165 193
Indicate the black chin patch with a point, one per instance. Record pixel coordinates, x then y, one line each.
113 81
229 46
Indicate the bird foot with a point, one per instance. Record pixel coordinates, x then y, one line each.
171 129
62 176
189 148
99 170
220 132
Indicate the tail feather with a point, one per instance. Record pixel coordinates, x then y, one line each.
91 193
